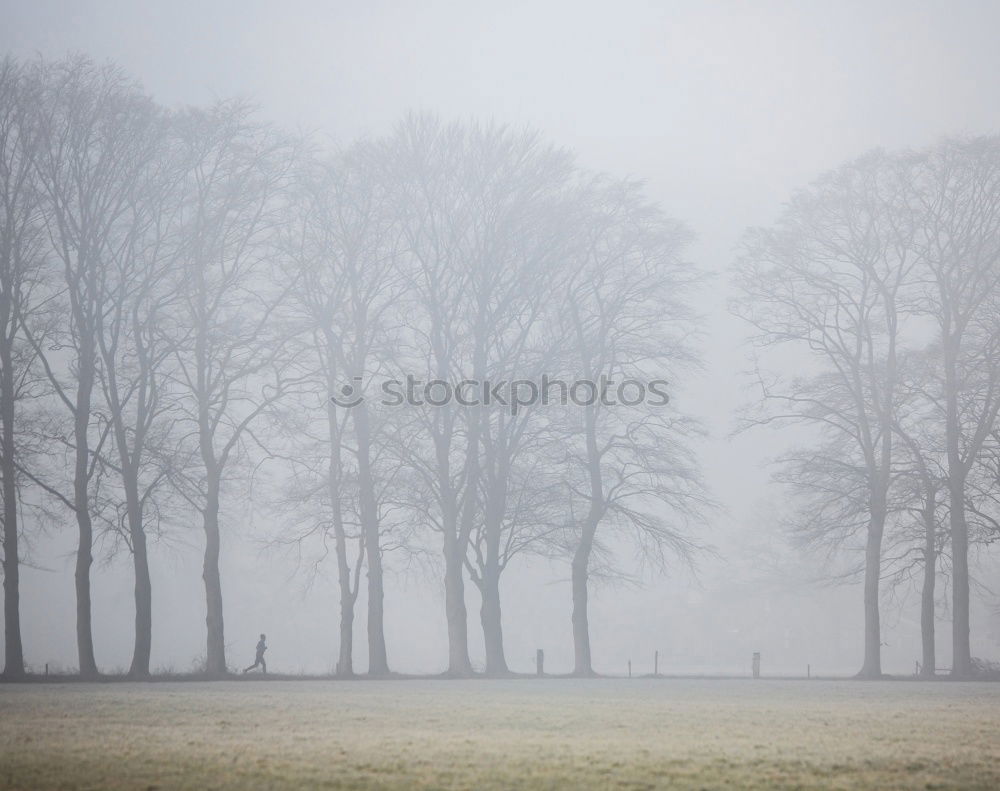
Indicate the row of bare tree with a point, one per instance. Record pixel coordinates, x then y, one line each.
181 292
886 272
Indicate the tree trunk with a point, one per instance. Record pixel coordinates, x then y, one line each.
454 602
456 546
490 613
215 657
378 664
928 666
143 604
961 662
491 618
81 504
872 667
345 659
13 650
581 557
458 520
581 624
84 559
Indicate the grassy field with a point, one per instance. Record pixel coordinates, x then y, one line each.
640 733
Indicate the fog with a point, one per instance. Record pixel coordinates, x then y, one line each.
723 111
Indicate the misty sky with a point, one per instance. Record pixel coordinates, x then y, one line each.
722 108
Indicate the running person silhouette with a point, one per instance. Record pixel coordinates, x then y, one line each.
259 660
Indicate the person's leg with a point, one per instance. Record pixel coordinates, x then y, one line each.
263 665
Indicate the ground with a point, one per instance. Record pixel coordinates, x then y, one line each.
527 733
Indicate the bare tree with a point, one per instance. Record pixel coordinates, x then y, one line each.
921 481
347 257
319 502
628 463
134 351
829 280
515 289
229 345
92 128
428 160
365 257
955 200
461 196
520 512
21 272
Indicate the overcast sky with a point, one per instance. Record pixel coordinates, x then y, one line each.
723 108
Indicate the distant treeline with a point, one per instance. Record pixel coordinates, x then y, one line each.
184 291
887 272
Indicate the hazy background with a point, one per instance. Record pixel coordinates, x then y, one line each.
723 108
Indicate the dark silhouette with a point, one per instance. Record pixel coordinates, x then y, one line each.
259 659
